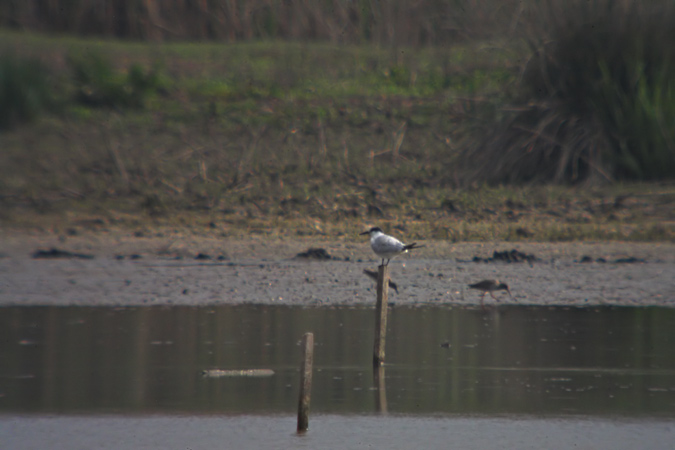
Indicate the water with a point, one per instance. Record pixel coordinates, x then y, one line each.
534 369
333 432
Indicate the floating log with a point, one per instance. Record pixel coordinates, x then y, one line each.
217 373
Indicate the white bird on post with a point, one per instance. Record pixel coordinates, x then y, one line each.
387 247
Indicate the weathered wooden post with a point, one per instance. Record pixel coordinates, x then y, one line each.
305 382
380 390
381 315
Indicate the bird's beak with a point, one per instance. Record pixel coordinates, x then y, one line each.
365 232
509 291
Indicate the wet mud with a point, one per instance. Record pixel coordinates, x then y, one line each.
128 270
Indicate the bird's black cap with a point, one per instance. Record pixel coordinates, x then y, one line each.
373 229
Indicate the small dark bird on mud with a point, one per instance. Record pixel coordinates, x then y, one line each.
372 274
490 286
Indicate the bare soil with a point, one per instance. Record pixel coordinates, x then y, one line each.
130 271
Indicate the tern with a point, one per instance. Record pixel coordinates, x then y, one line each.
490 286
387 247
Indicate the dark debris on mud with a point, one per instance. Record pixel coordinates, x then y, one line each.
133 256
206 257
55 253
629 260
507 256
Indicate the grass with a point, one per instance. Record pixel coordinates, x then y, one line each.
291 139
596 100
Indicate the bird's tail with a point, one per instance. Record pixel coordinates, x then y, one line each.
412 246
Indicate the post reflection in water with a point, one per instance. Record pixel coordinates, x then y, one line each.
380 388
521 360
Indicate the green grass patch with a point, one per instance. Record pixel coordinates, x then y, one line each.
98 84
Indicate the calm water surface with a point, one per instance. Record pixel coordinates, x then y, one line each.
514 368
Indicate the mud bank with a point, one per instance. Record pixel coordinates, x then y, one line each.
195 270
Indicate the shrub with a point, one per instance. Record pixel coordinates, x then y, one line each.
97 83
24 90
596 99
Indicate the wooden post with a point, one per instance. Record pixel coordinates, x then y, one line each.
305 382
380 390
381 315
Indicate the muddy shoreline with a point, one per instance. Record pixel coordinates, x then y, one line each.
126 270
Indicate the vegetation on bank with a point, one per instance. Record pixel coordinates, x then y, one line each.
387 23
596 99
323 138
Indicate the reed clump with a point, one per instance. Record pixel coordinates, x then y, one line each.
596 100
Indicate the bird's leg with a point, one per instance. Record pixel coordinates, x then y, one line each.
482 305
493 296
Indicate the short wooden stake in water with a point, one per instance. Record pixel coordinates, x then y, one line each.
380 390
305 382
381 315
